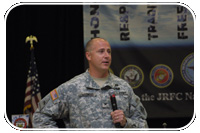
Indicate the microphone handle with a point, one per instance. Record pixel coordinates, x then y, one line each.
117 125
114 106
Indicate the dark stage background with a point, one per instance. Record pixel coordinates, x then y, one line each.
59 53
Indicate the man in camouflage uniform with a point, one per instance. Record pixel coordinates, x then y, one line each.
84 101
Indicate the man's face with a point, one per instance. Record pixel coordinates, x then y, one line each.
100 55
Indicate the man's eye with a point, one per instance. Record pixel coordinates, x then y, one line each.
101 51
109 51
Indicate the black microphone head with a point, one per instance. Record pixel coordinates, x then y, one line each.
113 99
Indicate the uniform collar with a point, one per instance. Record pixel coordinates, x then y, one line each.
91 84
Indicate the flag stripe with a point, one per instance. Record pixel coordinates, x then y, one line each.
34 106
28 89
27 102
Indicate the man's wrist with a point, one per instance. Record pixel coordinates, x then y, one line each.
124 126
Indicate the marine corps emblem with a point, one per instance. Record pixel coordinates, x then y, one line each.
161 76
187 69
133 75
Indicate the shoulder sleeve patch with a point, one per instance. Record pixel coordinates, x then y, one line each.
54 94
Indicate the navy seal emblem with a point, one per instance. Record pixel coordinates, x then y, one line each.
133 75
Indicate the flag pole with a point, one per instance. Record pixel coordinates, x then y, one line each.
32 92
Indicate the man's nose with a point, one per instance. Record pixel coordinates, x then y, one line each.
107 54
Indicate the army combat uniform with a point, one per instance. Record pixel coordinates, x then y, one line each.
82 103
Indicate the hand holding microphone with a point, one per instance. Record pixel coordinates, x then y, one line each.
117 115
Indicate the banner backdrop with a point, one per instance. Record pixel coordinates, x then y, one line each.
152 49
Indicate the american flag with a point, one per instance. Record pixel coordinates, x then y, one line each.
32 93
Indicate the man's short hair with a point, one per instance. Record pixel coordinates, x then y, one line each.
90 42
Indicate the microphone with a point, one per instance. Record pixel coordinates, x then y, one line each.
114 105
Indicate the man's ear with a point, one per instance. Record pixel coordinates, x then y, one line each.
88 55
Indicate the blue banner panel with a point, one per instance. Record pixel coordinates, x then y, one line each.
152 49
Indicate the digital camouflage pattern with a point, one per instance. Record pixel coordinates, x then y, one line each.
81 103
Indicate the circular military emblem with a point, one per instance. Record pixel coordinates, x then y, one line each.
161 76
187 69
20 122
133 75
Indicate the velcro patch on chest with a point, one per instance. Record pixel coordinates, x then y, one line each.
54 94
